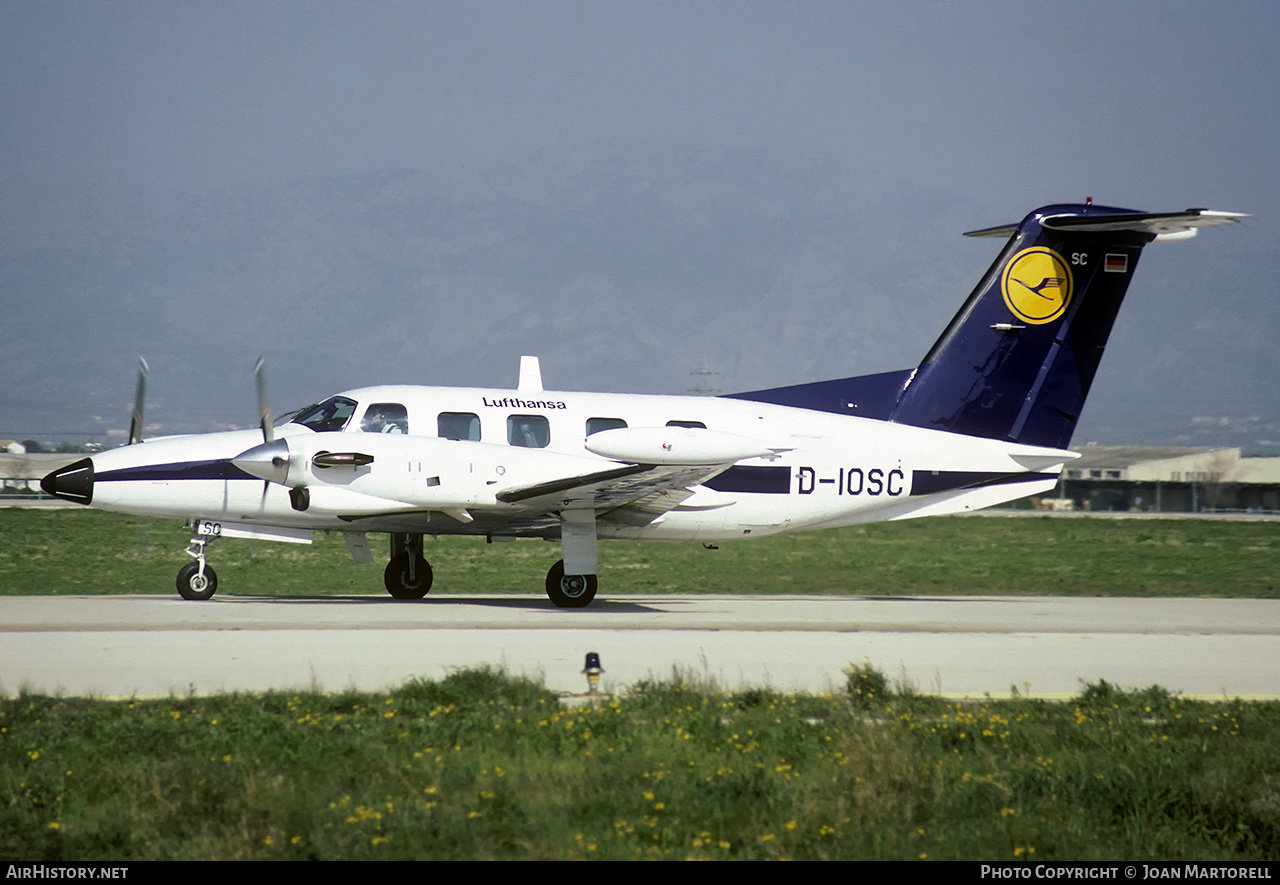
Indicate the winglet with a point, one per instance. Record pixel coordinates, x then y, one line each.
530 375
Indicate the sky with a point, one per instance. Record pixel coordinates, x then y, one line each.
1137 99
982 109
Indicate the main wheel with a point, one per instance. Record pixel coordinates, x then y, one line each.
570 591
408 577
193 585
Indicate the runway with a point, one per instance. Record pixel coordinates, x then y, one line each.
122 646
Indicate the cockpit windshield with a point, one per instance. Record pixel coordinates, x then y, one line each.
328 416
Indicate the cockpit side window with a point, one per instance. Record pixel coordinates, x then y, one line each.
385 418
330 415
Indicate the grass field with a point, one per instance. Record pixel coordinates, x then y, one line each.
483 766
87 551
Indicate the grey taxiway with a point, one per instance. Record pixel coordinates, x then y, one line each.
121 646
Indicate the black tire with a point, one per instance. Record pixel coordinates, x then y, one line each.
192 586
570 591
401 584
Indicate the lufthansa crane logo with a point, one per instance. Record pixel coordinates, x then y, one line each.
1036 285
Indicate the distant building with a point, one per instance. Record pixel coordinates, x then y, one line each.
1166 479
21 474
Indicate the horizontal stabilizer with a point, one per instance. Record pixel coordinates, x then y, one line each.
1164 225
1041 459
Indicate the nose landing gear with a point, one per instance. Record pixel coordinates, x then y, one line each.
197 580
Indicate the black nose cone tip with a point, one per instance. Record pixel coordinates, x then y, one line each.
71 483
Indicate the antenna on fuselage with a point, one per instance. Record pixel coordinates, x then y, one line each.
530 375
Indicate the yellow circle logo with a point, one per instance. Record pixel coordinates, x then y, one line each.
1036 285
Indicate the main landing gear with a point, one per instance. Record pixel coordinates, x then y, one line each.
570 591
408 574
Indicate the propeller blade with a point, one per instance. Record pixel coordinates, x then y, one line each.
264 404
139 403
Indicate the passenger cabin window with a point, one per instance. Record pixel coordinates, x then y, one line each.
458 425
330 415
385 418
595 425
528 431
697 424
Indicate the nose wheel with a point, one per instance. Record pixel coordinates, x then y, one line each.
197 580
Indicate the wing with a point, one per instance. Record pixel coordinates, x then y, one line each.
649 471
660 467
634 494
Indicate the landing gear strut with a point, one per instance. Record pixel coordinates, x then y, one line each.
408 574
197 580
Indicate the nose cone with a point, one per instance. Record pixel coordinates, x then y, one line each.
71 483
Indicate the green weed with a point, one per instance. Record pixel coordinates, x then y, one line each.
485 766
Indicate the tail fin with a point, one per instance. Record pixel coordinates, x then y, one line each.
1017 361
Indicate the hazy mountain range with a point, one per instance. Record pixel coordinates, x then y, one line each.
624 275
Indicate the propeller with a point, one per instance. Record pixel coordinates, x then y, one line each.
139 403
268 430
269 461
264 403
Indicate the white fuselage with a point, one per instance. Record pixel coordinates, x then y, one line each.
819 469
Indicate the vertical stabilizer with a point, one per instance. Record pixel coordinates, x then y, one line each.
1017 361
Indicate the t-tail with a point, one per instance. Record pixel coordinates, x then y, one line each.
1017 361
